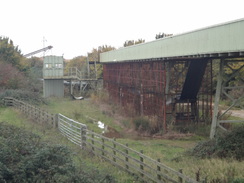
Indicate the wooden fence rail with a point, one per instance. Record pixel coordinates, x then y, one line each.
109 149
38 114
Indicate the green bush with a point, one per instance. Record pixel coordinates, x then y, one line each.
238 181
25 158
231 144
141 124
228 145
24 95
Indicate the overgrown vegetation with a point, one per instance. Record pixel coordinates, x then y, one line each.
141 124
24 95
228 145
170 152
146 125
19 77
25 158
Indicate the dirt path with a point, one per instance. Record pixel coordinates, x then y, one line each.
237 113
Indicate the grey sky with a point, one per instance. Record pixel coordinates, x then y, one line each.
74 27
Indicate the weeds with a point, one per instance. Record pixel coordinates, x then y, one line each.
24 95
229 145
77 115
145 124
25 158
141 124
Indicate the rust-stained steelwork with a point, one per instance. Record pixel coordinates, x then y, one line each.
155 89
171 78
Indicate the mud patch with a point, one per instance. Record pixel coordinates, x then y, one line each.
112 133
173 136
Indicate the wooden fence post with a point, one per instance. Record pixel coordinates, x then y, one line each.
21 107
24 108
43 116
83 137
103 146
158 169
55 121
30 111
141 164
180 180
114 150
126 157
13 103
93 149
198 175
48 120
36 113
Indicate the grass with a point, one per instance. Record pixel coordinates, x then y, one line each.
13 117
170 152
82 111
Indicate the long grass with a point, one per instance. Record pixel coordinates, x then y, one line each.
13 117
170 152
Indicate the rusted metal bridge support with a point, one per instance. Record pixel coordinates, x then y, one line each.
229 70
154 88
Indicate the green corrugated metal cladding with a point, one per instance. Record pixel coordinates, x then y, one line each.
223 38
53 67
52 70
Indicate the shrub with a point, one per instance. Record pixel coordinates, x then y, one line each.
229 145
11 77
25 158
24 95
141 124
238 180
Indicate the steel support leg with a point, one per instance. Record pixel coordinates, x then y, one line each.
216 101
229 70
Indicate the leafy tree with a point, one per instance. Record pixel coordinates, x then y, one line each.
132 42
105 48
129 43
162 35
33 70
139 41
17 72
33 62
94 54
80 62
10 53
77 62
11 77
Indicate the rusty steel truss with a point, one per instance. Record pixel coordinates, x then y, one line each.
161 89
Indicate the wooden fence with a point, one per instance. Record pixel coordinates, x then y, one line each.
35 113
120 155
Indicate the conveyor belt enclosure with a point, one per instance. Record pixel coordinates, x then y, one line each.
171 78
214 41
